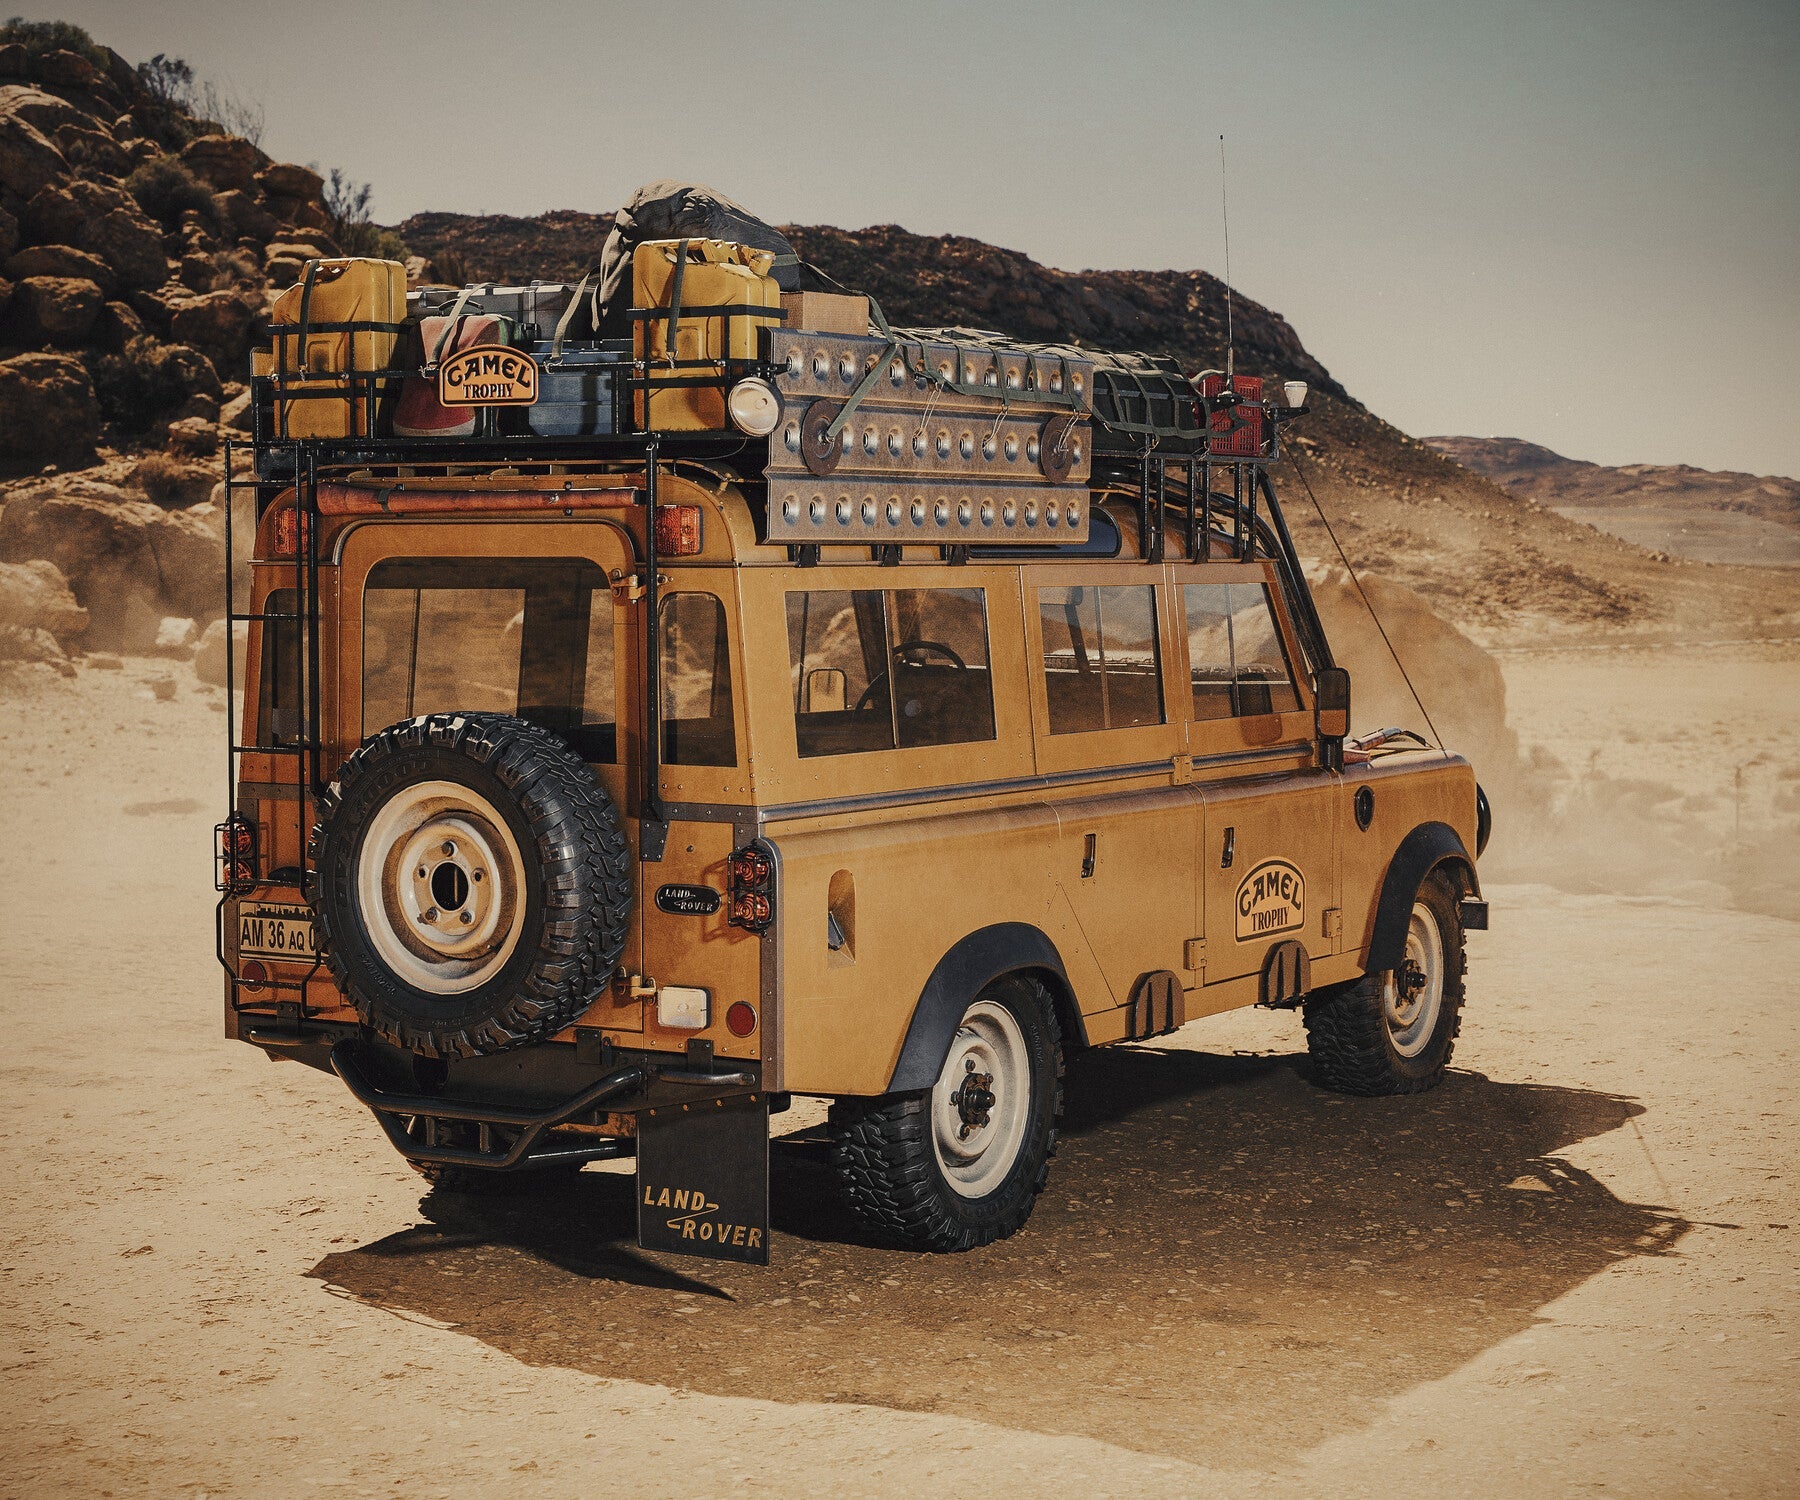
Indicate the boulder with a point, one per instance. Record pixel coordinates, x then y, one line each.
176 636
28 162
40 109
197 272
35 596
6 296
283 179
9 233
236 414
300 213
295 247
47 410
24 644
129 563
218 324
14 61
248 218
60 260
191 437
57 310
90 150
63 69
209 654
223 162
117 326
104 220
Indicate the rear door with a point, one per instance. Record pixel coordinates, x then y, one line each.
514 618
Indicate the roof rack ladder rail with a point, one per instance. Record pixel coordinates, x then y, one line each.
653 824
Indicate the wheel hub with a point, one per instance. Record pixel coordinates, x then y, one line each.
440 881
974 1100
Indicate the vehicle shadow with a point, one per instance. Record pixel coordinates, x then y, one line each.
1228 1265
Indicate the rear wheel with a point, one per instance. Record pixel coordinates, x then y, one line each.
962 1164
1394 1032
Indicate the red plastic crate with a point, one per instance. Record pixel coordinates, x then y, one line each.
1247 440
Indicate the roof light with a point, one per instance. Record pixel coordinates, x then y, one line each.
754 407
1294 393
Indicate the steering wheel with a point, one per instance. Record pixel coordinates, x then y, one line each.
902 650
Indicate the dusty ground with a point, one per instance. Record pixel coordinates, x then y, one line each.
1572 1269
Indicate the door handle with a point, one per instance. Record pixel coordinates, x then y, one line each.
1088 851
1230 849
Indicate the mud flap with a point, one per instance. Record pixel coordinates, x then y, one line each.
703 1179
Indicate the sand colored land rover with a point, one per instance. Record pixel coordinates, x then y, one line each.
918 710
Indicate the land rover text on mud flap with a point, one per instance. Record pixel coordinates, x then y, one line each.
868 713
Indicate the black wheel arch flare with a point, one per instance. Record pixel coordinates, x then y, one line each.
1428 847
969 967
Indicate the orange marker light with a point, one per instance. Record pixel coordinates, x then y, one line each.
678 530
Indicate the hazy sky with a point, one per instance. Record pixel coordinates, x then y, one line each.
1577 223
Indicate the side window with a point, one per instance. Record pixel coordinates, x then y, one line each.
278 708
884 669
525 637
698 728
1235 653
1102 659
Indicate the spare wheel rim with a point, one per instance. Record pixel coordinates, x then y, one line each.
981 1103
1412 999
440 884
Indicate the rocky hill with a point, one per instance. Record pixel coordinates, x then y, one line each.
141 243
1711 515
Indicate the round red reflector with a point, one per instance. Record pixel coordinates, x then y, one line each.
254 975
741 1018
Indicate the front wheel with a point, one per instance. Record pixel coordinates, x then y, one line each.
962 1164
1393 1032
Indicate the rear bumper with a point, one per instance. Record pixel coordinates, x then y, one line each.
506 1136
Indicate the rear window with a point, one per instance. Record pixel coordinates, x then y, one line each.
886 669
695 677
1238 665
527 637
1102 658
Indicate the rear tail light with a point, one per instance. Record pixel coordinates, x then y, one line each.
678 530
235 866
752 888
253 975
741 1018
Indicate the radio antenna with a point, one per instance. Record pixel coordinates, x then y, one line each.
1225 220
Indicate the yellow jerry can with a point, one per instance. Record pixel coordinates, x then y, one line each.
347 316
696 304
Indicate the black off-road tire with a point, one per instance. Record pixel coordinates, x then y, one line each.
576 890
1347 1031
888 1169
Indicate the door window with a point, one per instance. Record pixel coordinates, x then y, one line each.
884 669
529 637
1235 656
1102 658
698 725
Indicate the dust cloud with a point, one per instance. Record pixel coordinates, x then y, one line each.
1700 803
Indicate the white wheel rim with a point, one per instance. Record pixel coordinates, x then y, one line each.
978 1128
440 883
1412 1000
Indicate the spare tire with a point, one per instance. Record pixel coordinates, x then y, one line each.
471 883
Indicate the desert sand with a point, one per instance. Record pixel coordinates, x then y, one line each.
1573 1268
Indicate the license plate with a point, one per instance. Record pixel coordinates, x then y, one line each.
266 931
